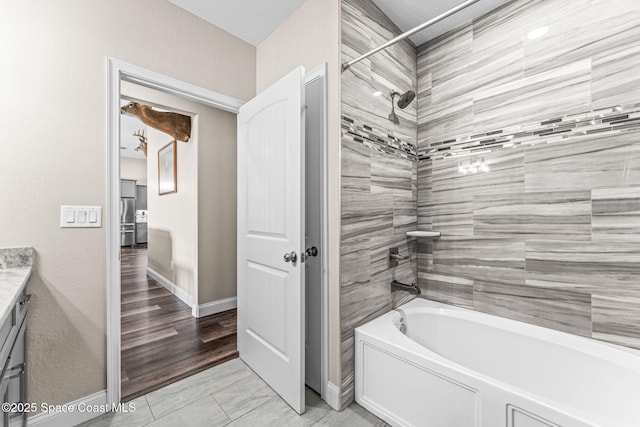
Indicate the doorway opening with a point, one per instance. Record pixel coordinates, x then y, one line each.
122 74
177 315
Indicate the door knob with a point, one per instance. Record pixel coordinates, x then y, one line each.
293 257
312 251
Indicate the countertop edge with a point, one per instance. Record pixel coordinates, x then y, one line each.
18 291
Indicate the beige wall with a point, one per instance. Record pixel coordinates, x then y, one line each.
217 239
55 131
171 222
135 169
310 37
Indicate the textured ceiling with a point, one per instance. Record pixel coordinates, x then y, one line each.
249 20
253 20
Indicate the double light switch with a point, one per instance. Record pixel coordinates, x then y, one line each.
80 216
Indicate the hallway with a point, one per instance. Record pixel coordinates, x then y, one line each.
161 341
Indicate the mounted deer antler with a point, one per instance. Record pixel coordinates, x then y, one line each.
143 142
174 124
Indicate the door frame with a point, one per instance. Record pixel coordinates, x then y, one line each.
118 71
321 73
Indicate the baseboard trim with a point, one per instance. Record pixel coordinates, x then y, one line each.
77 412
332 395
214 307
183 295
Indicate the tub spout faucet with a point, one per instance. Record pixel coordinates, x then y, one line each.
412 288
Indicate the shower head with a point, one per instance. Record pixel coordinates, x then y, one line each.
405 99
403 102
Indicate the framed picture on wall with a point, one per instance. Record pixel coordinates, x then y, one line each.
167 169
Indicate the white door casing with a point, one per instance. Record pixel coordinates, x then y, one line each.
118 71
271 223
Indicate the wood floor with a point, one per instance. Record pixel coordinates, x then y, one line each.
161 341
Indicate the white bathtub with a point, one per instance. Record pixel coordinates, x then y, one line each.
457 367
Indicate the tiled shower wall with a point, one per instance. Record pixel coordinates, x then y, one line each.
379 174
550 234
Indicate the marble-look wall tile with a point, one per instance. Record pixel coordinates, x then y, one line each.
616 214
379 175
496 65
568 128
616 320
508 22
354 253
450 117
405 216
348 370
361 304
560 309
560 91
446 288
583 32
614 77
446 109
16 257
425 194
505 173
452 213
586 60
450 204
390 175
356 163
365 213
364 27
604 160
605 268
562 215
442 52
451 201
479 257
548 234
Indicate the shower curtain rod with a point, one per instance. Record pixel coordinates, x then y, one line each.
346 65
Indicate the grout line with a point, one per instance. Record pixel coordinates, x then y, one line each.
220 405
260 405
150 409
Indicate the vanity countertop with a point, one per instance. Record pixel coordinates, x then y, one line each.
16 265
12 282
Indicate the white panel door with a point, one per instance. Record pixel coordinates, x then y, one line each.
271 290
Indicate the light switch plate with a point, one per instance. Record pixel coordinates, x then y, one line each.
80 216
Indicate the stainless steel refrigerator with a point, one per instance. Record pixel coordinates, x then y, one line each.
127 221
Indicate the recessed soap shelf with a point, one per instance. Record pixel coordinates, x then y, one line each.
428 234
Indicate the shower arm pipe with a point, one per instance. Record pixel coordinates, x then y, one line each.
347 65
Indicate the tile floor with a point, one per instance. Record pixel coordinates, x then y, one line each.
229 394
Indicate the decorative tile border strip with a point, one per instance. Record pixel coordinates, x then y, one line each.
611 119
377 139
